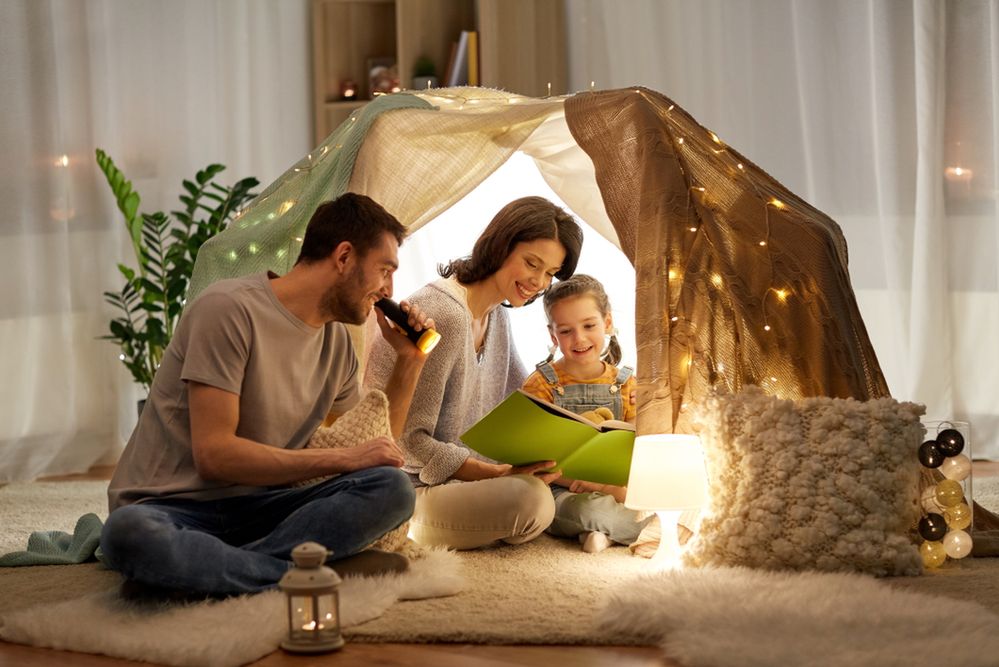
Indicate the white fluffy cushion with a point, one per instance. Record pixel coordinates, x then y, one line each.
367 420
819 483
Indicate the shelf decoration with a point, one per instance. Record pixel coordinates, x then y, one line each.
947 503
348 90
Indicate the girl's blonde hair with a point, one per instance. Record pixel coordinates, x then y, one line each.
582 285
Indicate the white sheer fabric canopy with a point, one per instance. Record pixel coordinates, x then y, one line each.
865 108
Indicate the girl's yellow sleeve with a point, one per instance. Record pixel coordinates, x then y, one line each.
536 385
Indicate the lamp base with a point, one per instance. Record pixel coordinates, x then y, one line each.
667 556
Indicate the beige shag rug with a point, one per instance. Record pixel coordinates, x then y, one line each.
550 592
737 617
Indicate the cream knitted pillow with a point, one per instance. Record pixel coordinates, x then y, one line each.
814 484
365 421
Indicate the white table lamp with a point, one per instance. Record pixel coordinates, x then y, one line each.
667 476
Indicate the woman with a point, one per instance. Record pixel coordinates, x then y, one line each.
464 500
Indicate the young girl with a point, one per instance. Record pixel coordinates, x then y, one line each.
587 381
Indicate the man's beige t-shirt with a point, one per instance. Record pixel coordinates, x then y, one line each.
239 338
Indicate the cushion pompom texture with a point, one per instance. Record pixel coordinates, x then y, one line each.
367 420
813 484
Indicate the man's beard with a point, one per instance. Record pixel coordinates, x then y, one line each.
346 303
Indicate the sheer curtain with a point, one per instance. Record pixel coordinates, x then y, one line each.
165 88
884 115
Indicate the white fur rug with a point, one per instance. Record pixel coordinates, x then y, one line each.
228 632
735 617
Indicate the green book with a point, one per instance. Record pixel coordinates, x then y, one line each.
524 429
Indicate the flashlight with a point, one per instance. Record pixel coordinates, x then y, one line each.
426 340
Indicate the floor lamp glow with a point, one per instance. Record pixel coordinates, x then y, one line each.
667 476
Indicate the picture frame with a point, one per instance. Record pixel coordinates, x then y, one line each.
383 76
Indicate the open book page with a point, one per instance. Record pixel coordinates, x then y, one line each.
523 430
608 425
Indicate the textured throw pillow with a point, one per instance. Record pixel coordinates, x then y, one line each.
813 484
367 420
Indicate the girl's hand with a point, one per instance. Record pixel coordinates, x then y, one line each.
581 486
619 492
539 470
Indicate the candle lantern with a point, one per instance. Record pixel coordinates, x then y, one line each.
313 592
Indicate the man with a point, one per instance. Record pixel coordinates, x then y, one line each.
200 499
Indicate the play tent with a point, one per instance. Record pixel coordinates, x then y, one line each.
738 281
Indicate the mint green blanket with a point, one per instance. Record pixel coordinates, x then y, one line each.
54 547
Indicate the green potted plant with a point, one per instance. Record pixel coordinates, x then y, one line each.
152 298
424 74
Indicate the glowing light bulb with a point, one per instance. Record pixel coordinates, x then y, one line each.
929 501
741 168
778 204
680 141
671 274
958 174
956 467
763 243
62 161
781 294
958 517
949 493
714 137
933 554
716 279
957 544
766 327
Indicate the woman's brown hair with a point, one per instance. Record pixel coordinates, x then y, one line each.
521 221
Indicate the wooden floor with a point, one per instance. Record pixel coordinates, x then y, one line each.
387 655
382 655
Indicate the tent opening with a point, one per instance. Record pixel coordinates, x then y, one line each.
453 233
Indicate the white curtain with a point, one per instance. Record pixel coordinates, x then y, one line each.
884 114
165 88
864 107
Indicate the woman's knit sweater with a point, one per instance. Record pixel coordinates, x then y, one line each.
456 387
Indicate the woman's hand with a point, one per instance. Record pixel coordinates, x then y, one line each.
474 469
539 470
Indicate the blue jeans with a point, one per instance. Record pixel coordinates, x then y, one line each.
243 544
577 513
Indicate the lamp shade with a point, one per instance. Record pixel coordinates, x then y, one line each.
667 473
